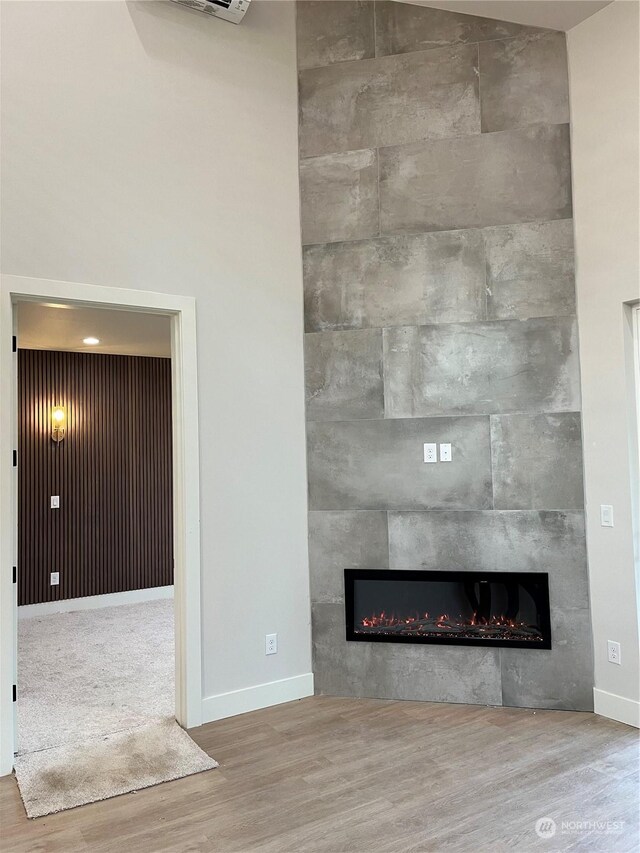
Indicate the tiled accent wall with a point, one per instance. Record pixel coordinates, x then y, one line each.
439 306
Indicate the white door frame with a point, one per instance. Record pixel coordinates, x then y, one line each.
186 482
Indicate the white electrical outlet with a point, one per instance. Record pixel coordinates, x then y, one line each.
271 644
445 453
613 652
430 452
55 579
55 501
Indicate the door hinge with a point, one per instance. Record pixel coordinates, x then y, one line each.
14 344
15 693
15 574
15 458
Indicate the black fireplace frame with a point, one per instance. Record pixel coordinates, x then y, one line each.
351 575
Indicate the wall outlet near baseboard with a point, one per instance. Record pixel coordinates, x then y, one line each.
55 579
613 652
271 644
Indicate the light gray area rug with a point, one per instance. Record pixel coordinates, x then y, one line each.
91 672
66 776
95 706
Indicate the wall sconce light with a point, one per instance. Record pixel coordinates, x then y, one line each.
58 423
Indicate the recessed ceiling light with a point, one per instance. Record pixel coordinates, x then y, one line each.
91 341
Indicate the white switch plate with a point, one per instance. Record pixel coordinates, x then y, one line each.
606 515
55 579
271 644
445 453
613 652
55 501
430 453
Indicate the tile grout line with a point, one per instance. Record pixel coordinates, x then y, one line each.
433 140
403 234
375 30
423 510
488 320
491 469
522 413
385 406
486 284
448 46
377 150
387 511
479 86
344 329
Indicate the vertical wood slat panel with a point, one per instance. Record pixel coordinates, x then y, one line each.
114 529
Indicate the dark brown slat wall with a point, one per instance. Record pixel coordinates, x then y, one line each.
114 529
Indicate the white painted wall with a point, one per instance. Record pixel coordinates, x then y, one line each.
603 73
146 146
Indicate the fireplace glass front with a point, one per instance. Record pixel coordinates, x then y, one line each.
450 607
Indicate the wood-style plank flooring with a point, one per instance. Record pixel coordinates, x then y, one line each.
369 776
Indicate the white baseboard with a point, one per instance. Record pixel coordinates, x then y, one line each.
616 707
253 698
93 602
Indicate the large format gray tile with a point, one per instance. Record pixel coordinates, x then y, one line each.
401 27
530 270
560 678
481 368
343 375
339 668
490 179
537 461
493 541
524 81
379 464
344 540
339 197
333 31
395 281
389 101
399 671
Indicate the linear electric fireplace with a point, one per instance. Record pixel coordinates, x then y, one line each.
452 607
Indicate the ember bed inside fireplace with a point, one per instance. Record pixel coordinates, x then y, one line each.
452 607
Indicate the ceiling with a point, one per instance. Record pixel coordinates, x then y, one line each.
62 327
552 14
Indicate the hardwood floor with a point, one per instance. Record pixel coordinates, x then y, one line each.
327 774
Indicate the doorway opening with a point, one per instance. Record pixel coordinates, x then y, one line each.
95 523
179 313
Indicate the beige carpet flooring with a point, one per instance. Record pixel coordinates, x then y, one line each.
92 672
95 706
